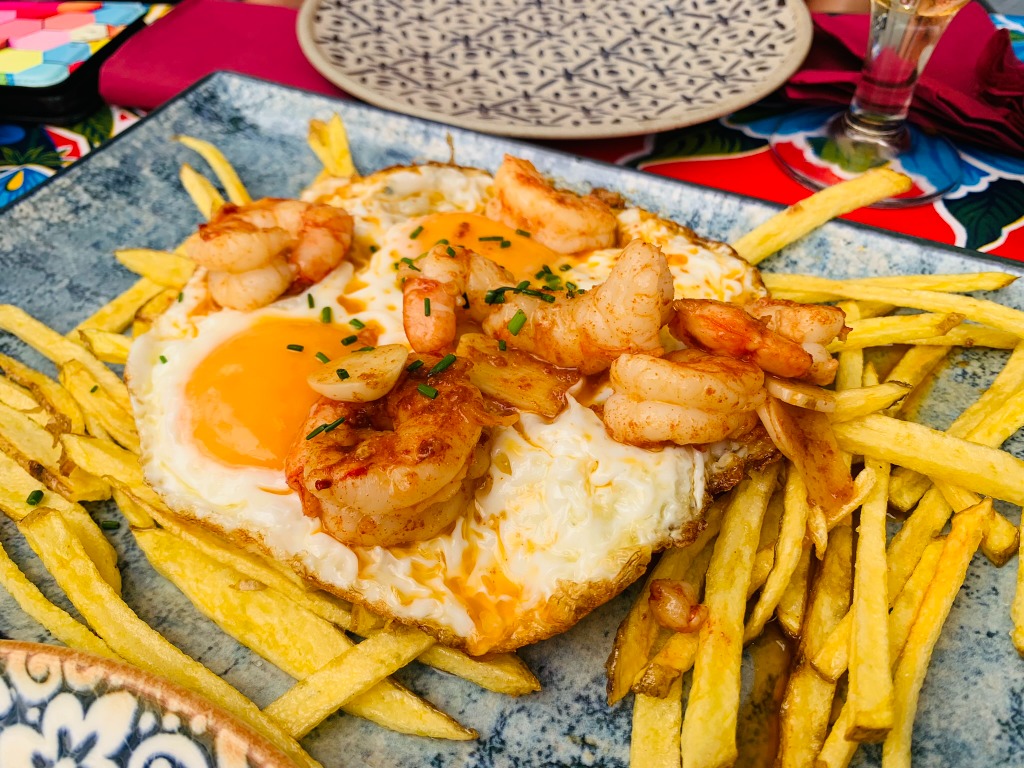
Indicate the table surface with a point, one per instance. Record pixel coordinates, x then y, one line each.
986 213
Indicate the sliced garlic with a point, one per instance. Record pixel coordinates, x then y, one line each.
801 394
361 377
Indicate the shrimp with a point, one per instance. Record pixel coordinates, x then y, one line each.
250 250
623 315
562 220
728 329
434 286
391 471
688 397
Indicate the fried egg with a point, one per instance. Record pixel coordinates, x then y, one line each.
563 519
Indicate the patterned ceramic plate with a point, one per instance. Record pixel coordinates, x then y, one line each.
55 259
557 68
63 708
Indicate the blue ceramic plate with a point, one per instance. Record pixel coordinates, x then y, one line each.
55 259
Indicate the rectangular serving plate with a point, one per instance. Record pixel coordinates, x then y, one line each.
56 261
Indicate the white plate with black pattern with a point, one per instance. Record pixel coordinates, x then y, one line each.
557 69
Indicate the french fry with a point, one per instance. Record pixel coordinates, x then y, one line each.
206 197
108 347
709 724
105 459
970 335
500 672
152 309
60 350
894 329
771 658
907 546
793 602
788 550
793 285
133 510
48 393
985 470
808 700
961 544
224 171
862 486
917 368
850 372
329 142
636 634
1017 609
129 636
286 635
838 750
17 486
355 671
117 314
870 695
165 268
95 401
809 214
21 399
656 724
56 620
860 401
1001 540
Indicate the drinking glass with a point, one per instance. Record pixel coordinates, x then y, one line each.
820 148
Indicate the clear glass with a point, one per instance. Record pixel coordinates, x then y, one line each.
874 131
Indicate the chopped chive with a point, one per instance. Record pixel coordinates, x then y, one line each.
442 241
334 425
571 286
515 325
505 244
522 233
342 373
426 307
546 297
181 296
310 301
442 365
356 323
296 347
374 248
415 364
316 431
326 315
109 525
523 286
34 498
366 349
450 251
94 388
496 296
322 357
409 263
565 268
396 266
163 359
348 340
426 391
491 239
415 233
540 275
502 345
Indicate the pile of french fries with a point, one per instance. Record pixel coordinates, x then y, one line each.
863 614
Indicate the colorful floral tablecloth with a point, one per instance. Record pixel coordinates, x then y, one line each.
986 212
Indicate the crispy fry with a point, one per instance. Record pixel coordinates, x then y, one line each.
860 401
1001 540
116 315
793 602
95 401
862 486
165 268
636 634
108 347
206 196
970 335
656 725
850 373
56 620
21 399
355 671
283 633
961 544
796 289
870 696
709 725
132 638
105 459
1017 609
224 171
47 392
329 141
152 309
809 214
60 350
771 659
16 485
133 510
895 329
984 470
500 672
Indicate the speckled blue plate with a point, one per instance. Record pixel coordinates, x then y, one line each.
55 260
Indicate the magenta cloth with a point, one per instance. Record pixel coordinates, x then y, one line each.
202 36
972 88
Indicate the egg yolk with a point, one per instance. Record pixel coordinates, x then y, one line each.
519 253
246 401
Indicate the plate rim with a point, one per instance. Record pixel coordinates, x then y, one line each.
804 29
163 692
211 80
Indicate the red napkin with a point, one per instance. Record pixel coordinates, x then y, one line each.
202 36
972 88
